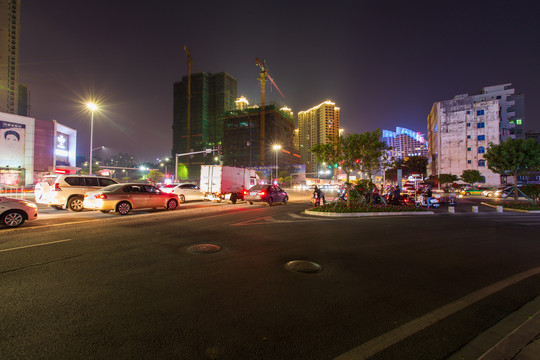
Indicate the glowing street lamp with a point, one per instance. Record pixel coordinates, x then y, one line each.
92 107
277 148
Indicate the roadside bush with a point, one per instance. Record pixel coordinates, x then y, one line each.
520 205
361 207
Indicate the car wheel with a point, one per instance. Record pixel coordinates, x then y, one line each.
417 204
286 200
182 198
75 204
233 198
105 211
123 208
269 201
172 204
12 218
251 203
467 194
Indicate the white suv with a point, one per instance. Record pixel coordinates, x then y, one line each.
67 191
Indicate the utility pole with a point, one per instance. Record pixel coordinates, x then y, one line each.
188 148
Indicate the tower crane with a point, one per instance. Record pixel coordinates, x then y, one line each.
262 78
189 63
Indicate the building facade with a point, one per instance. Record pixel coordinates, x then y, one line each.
404 143
459 132
31 148
512 109
242 141
9 55
211 96
315 126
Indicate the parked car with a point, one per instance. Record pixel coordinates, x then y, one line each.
473 191
14 212
266 193
494 192
67 191
184 191
121 198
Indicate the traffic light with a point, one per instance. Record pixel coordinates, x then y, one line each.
220 150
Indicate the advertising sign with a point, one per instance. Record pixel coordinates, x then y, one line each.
61 150
12 141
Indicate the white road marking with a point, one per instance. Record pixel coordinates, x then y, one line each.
29 246
392 337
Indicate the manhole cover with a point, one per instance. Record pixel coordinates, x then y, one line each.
304 266
203 248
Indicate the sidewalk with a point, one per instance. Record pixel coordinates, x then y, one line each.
515 337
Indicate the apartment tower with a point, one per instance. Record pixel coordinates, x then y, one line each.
316 126
211 96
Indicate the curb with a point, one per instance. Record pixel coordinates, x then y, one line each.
332 214
507 338
510 209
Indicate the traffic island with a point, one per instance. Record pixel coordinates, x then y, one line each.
519 206
341 210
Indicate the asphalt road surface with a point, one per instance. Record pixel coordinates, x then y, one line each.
393 287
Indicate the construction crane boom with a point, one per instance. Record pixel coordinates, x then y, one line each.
262 78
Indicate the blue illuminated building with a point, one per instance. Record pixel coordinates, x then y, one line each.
404 143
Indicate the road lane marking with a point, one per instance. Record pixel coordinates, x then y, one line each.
398 334
29 246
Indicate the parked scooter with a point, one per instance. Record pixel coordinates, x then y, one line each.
422 201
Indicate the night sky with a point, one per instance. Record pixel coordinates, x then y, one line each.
383 62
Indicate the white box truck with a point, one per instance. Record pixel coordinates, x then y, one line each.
225 182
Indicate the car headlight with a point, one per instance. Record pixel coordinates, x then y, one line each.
31 204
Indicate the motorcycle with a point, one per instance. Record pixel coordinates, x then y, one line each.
422 201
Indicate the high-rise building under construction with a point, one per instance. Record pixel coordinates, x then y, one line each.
315 126
211 96
9 56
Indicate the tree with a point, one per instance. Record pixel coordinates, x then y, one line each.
447 178
417 164
512 156
355 151
155 176
471 176
533 192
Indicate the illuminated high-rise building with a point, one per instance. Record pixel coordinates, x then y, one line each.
316 126
9 55
241 103
404 143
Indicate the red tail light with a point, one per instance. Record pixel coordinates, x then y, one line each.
100 196
246 192
262 193
56 187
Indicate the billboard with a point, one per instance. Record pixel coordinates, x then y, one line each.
12 143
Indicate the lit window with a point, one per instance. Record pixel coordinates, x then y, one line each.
480 125
479 112
518 121
481 137
481 150
481 162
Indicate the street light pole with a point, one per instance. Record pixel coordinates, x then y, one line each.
92 108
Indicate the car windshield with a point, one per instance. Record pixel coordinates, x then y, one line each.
259 187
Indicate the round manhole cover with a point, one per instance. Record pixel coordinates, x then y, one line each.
304 266
203 248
